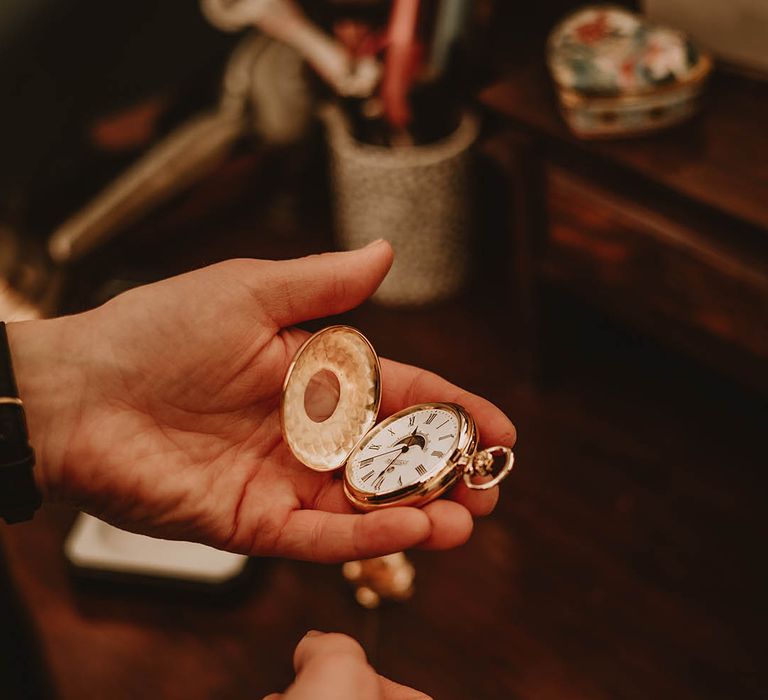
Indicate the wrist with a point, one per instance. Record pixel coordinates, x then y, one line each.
50 386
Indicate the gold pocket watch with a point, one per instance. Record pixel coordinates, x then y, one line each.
330 402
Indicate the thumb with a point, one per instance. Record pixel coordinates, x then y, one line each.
332 667
292 291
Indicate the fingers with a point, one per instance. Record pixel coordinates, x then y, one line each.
451 525
292 291
405 385
316 645
320 536
331 498
395 691
332 667
333 537
479 503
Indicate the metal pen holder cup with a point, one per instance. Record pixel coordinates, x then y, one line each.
419 198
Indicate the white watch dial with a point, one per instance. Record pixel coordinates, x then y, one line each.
410 449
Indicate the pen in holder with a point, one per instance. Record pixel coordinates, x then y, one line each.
419 198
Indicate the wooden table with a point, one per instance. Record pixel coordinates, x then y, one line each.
622 562
667 232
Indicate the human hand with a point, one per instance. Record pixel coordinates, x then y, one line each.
159 412
334 667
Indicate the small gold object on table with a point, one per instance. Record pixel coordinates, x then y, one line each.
383 578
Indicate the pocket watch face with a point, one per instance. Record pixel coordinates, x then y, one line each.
408 449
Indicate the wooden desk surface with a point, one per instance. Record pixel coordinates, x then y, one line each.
719 158
622 561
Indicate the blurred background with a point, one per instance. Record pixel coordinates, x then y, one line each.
579 210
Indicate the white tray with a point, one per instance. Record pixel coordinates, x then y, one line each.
95 545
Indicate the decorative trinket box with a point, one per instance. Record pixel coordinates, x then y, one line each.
619 75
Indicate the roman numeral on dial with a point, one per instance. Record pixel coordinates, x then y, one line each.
436 453
366 462
432 417
421 469
367 476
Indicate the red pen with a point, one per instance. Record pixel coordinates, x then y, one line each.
401 62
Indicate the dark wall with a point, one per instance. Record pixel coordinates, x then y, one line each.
64 62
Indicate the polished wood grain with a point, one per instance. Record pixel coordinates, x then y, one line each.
666 232
659 273
719 157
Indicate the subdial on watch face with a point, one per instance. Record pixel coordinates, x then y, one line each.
410 449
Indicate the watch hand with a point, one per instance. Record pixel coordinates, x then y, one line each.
399 449
389 466
407 440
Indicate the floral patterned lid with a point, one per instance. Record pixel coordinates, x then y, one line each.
608 50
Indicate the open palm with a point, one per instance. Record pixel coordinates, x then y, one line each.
175 431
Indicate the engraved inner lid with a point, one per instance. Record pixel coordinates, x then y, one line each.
331 397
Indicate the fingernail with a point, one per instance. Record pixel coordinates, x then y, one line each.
373 243
313 633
